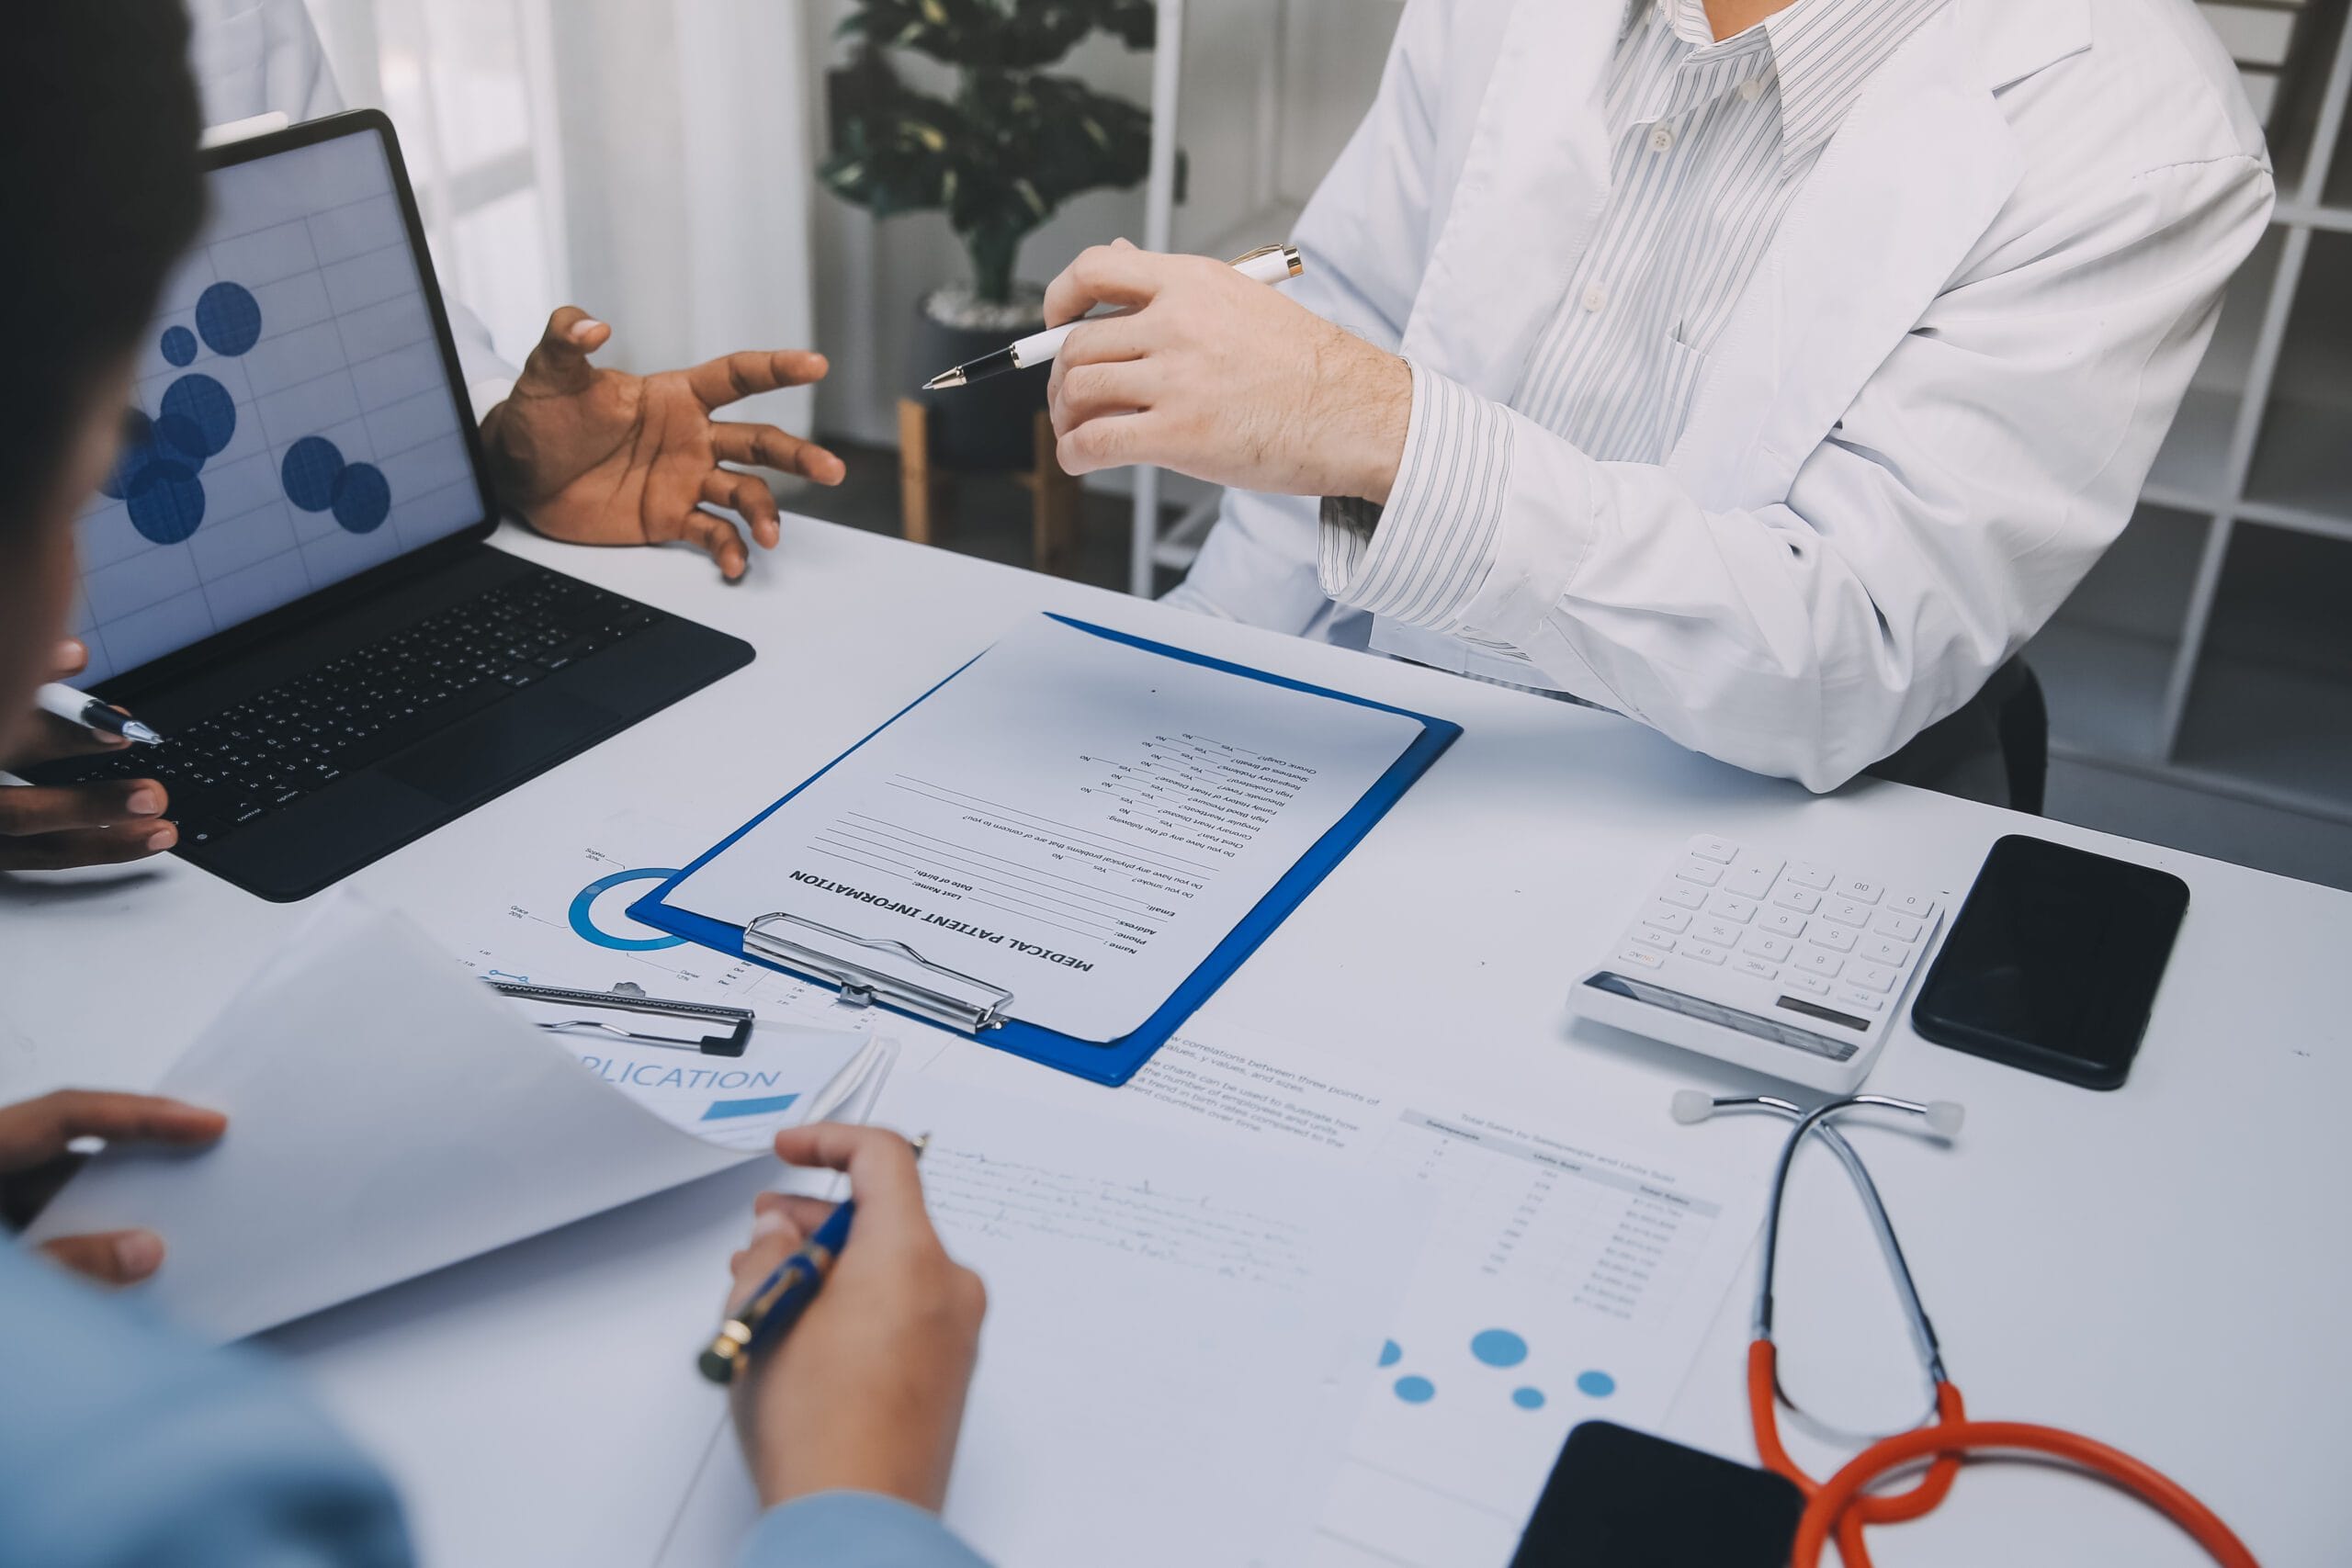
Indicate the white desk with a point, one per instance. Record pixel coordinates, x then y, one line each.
2165 1267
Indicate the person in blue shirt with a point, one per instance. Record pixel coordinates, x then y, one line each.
122 1441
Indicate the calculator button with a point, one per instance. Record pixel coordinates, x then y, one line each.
1766 945
1901 928
1785 922
1748 964
1797 898
1805 873
1666 918
1918 905
1641 957
1849 997
1753 878
1879 949
1825 964
1837 938
1862 892
1656 939
1682 895
1811 985
1710 848
1876 977
1739 911
1699 871
1847 912
1703 953
1720 932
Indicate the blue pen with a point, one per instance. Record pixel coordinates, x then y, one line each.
784 1295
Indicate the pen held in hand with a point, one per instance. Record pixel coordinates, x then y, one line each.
769 1312
1267 264
80 707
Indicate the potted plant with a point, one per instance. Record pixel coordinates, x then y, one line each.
998 157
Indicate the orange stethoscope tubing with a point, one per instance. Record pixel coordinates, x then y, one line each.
1841 1506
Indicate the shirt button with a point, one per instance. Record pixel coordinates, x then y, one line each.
1662 138
1596 296
1751 90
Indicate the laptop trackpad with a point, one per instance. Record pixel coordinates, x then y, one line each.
477 756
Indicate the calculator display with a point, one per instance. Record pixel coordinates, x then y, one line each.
1734 1018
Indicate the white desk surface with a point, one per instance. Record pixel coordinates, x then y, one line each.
2165 1267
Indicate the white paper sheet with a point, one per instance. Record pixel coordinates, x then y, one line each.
1178 1336
557 914
1572 1269
1069 818
388 1115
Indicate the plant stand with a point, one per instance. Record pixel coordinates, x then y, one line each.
1053 495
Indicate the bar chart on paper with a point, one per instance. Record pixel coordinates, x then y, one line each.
292 423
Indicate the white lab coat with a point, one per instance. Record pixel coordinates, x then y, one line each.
258 56
1930 414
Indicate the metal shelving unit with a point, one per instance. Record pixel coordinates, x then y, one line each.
2150 667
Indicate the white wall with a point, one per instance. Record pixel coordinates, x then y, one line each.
869 276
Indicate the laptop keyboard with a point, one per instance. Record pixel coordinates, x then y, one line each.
278 746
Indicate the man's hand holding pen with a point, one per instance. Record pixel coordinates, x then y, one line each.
1220 378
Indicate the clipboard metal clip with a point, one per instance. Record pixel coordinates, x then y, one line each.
970 1004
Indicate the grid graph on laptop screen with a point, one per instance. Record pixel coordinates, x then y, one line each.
291 422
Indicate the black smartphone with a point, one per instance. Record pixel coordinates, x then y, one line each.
2053 961
1618 1498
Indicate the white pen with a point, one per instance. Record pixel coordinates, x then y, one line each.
1267 264
80 707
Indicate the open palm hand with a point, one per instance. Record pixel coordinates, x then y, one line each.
601 456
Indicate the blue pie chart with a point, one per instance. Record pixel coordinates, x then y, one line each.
583 908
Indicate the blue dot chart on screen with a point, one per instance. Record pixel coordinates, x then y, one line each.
229 319
294 420
310 470
362 499
167 501
195 406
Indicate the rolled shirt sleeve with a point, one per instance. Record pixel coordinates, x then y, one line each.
1422 558
855 1529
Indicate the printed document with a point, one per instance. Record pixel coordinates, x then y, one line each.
1178 1336
388 1115
1576 1259
1072 819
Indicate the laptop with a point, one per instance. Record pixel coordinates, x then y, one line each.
286 572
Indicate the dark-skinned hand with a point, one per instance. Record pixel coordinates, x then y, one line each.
601 456
45 827
35 1160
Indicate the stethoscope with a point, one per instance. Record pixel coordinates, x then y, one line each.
1945 1435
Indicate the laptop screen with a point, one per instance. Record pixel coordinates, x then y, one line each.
292 422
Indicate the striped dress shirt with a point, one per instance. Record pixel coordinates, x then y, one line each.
1711 142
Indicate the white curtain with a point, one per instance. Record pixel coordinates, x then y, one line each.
646 161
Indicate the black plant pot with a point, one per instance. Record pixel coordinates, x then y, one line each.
988 425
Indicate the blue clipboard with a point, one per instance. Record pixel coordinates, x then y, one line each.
1113 1062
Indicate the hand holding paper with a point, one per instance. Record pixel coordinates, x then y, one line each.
392 1116
36 1157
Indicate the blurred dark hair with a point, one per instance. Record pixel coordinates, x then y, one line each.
99 194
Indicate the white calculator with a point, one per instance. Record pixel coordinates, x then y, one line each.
1789 967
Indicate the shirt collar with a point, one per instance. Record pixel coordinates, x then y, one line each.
1823 52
